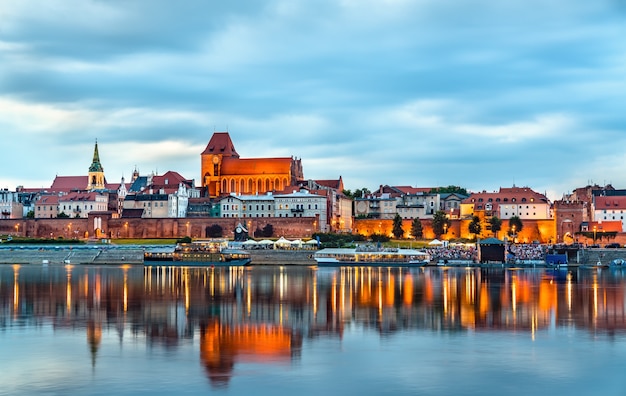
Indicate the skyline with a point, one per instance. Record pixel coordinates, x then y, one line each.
477 94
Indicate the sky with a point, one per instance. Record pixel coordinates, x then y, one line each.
480 94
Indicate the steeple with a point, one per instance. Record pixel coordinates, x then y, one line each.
96 172
96 166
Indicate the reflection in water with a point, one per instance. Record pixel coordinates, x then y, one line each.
262 314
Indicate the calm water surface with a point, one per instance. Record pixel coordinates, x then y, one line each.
307 331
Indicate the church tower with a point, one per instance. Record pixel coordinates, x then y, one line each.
96 172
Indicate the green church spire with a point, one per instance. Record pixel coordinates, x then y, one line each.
96 166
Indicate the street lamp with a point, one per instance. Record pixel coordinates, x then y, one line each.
445 228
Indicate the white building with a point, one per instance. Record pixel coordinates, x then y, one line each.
302 204
79 204
247 206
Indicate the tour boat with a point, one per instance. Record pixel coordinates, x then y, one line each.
198 253
371 256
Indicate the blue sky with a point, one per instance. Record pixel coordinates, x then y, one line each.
476 93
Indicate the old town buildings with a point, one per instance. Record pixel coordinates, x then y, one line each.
261 191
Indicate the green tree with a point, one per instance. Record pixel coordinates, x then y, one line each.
441 223
515 225
30 214
416 228
496 225
63 215
474 226
358 193
397 230
450 189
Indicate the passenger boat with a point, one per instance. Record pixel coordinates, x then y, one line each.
371 256
214 252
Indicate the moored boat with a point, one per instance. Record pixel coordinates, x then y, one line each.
371 256
214 252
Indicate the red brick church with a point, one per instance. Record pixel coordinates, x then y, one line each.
224 172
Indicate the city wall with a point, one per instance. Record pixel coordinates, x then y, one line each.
104 226
544 231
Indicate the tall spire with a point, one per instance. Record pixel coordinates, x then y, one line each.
96 166
96 172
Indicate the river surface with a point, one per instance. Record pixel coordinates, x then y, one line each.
296 330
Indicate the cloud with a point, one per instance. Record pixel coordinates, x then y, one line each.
476 93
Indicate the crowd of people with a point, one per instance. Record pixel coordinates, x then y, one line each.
523 252
461 252
527 252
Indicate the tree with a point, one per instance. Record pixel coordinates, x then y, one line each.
450 189
496 225
416 229
268 230
30 214
63 215
397 230
441 223
214 231
474 226
358 193
515 226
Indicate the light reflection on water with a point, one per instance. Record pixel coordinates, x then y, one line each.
284 330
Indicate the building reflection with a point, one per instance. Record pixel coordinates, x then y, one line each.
262 315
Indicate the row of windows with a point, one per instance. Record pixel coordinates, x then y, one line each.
149 204
503 200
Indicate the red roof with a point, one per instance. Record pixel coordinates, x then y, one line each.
253 166
509 195
615 202
606 225
48 200
221 143
79 196
69 183
336 184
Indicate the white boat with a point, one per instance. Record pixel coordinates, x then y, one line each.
371 256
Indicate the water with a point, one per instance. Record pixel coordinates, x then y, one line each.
306 331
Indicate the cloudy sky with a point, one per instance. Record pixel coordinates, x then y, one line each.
476 93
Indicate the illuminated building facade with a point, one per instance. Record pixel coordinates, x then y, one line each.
224 172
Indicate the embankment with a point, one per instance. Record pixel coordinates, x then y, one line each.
282 257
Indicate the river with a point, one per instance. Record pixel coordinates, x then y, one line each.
285 330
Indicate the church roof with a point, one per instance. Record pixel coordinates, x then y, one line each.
96 166
256 166
221 143
69 183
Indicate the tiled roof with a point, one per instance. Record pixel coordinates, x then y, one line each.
334 183
253 166
613 202
48 200
132 213
606 226
69 183
79 196
221 143
509 195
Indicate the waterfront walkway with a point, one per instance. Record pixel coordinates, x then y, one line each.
93 255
